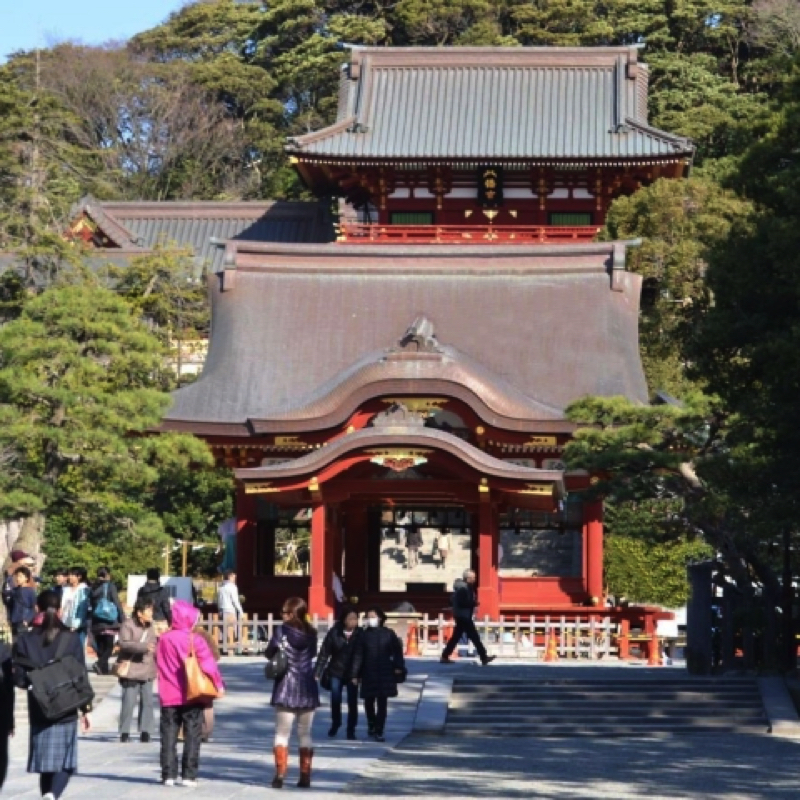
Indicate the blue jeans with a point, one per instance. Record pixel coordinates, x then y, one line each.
337 686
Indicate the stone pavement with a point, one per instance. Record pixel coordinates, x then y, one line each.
237 765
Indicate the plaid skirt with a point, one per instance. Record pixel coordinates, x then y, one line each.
53 748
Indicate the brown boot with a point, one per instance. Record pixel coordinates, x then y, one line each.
306 756
281 753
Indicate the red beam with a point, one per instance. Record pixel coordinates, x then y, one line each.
352 233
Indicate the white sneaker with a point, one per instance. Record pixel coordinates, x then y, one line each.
48 796
168 782
189 784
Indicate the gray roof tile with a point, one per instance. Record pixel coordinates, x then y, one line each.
494 103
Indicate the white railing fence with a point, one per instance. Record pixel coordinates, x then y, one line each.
524 637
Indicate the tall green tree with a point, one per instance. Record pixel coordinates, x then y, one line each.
79 379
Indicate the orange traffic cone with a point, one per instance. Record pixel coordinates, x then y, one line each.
654 654
551 651
412 640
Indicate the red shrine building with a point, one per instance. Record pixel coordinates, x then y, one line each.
393 400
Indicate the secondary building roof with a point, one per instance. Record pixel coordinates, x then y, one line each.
524 104
305 334
202 228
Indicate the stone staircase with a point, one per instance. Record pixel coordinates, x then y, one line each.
621 707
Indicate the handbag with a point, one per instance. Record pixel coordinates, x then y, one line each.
278 665
198 685
325 680
122 667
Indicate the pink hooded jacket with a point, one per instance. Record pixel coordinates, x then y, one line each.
172 651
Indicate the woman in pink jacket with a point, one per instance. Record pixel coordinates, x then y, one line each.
173 649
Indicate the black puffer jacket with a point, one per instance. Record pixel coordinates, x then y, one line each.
377 655
337 652
159 596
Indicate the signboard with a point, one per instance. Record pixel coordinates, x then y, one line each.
490 187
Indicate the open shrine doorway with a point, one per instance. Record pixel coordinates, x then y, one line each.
418 549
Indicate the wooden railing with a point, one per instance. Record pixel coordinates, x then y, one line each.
512 637
351 233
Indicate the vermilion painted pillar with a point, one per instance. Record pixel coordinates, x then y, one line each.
245 538
488 583
593 531
318 601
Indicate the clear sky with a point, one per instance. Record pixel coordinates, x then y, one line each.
25 24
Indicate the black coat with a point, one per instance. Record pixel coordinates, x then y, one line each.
6 691
465 600
377 655
159 596
31 649
95 596
337 652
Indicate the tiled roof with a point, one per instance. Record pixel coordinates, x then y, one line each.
203 227
527 104
304 334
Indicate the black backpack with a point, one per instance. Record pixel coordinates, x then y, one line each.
61 686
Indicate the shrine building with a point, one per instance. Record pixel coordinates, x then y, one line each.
393 400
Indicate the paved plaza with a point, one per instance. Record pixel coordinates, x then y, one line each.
238 763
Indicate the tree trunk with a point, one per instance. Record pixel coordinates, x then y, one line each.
22 534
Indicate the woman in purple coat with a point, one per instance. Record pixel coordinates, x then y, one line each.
295 695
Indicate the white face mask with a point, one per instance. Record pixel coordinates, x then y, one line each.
373 622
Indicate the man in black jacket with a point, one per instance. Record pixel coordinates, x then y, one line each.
158 595
465 601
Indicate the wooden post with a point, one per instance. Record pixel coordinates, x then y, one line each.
593 531
184 557
488 594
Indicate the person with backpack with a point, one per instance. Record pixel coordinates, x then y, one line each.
52 656
75 604
107 616
295 694
378 666
333 670
177 709
158 595
136 670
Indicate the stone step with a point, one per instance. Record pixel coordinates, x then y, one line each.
513 698
687 718
599 710
607 731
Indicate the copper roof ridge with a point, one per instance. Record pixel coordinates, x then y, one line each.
322 133
169 208
370 251
401 436
493 398
657 133
107 222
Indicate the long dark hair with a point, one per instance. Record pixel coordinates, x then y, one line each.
48 602
298 615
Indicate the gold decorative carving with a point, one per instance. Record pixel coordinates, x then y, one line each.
418 405
490 213
513 213
468 213
540 489
480 430
288 441
542 441
399 460
260 488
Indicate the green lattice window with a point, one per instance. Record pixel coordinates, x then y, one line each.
570 218
411 218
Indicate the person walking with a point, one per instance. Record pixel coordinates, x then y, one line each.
378 665
230 608
413 543
106 617
61 581
336 659
465 601
443 545
158 595
208 706
22 603
75 604
7 696
53 748
295 695
136 669
177 710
